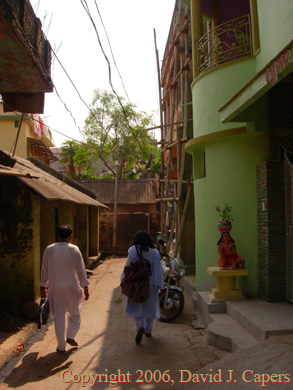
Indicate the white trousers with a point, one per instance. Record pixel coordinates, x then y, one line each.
146 323
73 325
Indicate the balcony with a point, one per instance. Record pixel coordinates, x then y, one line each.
224 43
25 58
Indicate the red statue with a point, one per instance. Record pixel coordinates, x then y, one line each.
228 257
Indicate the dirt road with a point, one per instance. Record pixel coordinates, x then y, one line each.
107 356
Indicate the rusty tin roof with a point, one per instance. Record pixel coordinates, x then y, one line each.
48 186
128 191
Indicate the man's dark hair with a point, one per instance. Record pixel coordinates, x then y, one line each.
65 231
144 240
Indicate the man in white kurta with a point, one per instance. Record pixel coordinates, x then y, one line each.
63 274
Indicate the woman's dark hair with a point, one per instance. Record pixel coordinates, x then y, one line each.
222 237
144 240
65 231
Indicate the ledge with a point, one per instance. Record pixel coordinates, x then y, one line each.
215 271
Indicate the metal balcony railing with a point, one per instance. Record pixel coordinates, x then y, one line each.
224 43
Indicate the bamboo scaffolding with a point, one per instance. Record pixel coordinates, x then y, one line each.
175 181
168 199
179 142
181 171
163 216
179 238
162 208
170 145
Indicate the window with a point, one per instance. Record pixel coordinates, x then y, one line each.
203 164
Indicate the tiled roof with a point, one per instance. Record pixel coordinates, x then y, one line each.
128 191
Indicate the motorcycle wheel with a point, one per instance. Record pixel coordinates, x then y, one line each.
174 307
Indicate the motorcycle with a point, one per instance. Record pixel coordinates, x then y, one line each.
171 297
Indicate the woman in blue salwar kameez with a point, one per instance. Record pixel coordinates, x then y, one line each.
144 313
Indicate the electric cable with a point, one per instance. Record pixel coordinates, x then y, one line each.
110 82
34 49
85 6
110 79
112 52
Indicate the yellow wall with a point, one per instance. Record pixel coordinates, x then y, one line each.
8 133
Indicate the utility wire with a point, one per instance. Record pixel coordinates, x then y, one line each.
50 128
110 81
85 6
112 51
114 58
34 50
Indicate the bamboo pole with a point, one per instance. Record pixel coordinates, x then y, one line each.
182 162
171 130
168 199
170 145
162 208
179 238
115 201
175 181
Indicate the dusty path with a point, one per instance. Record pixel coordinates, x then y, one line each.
107 353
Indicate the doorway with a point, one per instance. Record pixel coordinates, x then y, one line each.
289 222
280 108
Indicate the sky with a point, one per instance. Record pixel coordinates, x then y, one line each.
129 25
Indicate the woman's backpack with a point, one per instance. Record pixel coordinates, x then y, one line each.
135 284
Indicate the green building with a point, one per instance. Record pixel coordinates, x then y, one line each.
242 144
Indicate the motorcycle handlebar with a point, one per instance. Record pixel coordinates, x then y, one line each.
164 254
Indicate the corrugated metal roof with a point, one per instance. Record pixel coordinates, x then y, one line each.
128 191
49 187
8 171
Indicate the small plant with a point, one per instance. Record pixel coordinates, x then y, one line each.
225 212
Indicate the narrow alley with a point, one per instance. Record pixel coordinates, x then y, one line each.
107 346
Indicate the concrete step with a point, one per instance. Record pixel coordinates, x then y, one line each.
262 319
206 307
226 334
189 288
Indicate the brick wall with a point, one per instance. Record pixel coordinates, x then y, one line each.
271 231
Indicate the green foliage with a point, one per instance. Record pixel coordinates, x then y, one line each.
109 123
77 157
225 212
67 155
83 176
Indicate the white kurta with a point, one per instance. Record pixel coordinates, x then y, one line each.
150 308
63 272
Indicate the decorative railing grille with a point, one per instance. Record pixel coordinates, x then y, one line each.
224 43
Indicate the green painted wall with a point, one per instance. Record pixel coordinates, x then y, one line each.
211 91
275 29
230 178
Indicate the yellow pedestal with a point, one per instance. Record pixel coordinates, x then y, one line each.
225 284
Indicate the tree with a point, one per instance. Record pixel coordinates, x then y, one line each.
77 156
110 121
67 155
